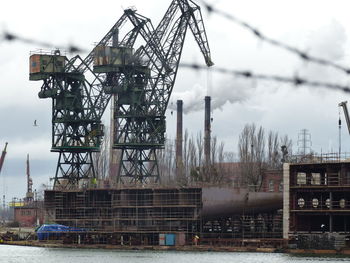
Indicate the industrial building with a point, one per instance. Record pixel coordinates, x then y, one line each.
316 210
29 214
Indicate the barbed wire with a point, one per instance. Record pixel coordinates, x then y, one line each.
302 54
10 37
296 80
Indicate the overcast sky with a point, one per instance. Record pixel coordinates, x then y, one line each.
320 27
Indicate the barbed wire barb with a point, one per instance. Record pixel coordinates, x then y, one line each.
296 80
10 37
302 54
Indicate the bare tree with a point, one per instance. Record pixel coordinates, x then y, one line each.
213 149
101 159
167 162
274 154
186 154
254 159
220 164
251 148
193 161
170 159
200 147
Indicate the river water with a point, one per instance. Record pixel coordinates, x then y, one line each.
19 254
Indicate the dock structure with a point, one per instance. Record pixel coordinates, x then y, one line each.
165 216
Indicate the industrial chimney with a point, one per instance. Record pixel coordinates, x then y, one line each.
179 162
207 129
113 153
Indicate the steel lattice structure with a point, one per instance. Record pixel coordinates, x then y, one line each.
142 87
140 119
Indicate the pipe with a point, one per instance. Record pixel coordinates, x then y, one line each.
207 129
179 138
226 201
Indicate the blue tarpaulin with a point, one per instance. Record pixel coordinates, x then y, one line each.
45 231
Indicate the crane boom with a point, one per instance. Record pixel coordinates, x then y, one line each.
346 113
2 158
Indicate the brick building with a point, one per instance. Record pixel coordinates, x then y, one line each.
29 215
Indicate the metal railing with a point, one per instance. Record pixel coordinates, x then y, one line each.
320 158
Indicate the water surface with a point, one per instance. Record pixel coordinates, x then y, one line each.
19 254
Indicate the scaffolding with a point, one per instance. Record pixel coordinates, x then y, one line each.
263 229
123 214
146 216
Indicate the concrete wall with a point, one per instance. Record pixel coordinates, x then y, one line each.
286 196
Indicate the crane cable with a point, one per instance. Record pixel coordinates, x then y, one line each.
339 125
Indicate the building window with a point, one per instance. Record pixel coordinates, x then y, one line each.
280 186
342 203
301 202
301 178
315 178
271 186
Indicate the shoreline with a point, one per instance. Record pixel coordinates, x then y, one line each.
344 252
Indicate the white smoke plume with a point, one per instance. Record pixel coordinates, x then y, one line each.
231 91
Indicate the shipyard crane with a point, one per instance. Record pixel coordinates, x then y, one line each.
78 103
142 81
143 84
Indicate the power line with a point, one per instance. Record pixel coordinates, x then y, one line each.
11 37
302 54
296 80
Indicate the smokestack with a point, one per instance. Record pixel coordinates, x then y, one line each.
179 163
113 153
29 195
207 129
